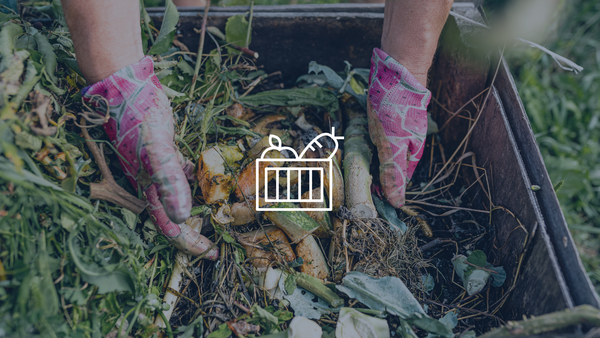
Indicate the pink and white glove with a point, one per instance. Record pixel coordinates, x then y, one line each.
141 127
397 113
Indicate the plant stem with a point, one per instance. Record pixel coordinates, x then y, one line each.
548 322
200 48
357 161
168 326
247 44
314 285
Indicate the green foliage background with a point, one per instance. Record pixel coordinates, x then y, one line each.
564 111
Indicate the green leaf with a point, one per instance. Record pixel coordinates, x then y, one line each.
129 218
428 282
283 315
499 277
117 278
352 323
474 279
8 35
67 222
187 331
185 68
222 332
69 184
391 295
172 93
303 302
337 82
71 63
203 210
9 173
296 262
236 30
290 284
227 237
478 258
30 80
58 12
333 79
259 312
388 213
27 141
165 37
310 96
48 56
450 320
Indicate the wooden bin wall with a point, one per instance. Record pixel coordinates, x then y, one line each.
289 37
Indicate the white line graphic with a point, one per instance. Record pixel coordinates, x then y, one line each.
311 167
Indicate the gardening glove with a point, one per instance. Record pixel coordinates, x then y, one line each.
141 127
397 113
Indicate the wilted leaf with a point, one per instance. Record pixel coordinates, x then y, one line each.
31 79
337 82
352 323
473 279
231 154
48 56
167 29
305 303
388 212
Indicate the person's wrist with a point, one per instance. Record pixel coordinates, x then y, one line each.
417 59
98 70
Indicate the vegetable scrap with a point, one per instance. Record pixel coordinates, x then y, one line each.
79 255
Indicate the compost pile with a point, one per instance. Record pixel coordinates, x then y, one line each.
74 265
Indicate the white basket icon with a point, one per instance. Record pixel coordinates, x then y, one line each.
311 166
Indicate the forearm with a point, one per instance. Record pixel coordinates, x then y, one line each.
411 29
106 35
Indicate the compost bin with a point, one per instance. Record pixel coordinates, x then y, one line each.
287 38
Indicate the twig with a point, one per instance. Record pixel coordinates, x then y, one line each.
200 48
242 307
481 268
434 243
464 309
108 189
345 245
548 322
244 50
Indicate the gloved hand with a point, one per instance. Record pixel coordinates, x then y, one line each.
397 113
141 127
